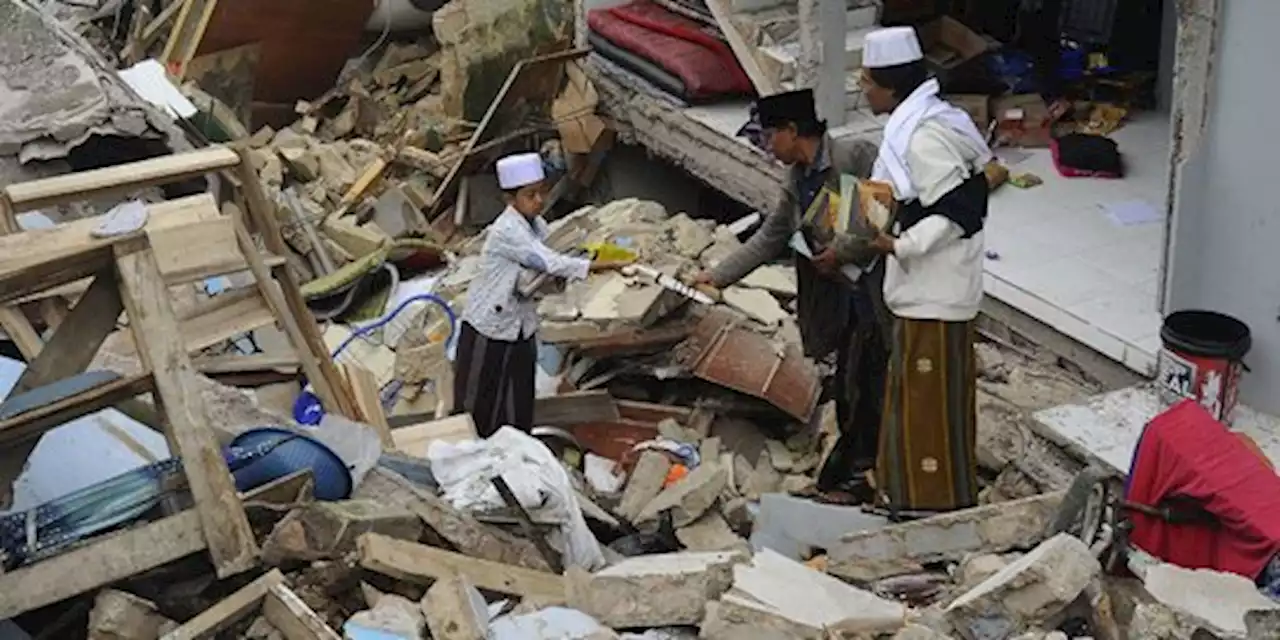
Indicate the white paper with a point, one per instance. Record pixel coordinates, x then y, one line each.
801 245
1133 212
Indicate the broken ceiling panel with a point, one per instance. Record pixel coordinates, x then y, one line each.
56 92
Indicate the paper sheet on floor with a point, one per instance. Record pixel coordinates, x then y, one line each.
465 471
1133 212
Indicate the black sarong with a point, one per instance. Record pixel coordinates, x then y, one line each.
493 380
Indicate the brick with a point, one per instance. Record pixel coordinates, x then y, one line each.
328 530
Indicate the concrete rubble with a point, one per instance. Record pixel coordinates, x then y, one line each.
700 476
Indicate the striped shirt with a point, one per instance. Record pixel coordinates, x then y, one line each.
514 243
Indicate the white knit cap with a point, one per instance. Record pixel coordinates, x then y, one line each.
891 47
520 170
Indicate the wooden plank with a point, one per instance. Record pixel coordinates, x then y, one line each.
228 610
32 424
319 367
59 267
369 401
100 563
75 342
743 51
20 331
229 364
422 564
150 33
325 388
188 31
224 316
161 350
578 407
413 440
118 179
292 617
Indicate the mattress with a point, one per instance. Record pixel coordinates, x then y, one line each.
704 66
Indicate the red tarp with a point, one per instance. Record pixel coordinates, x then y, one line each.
1185 452
704 63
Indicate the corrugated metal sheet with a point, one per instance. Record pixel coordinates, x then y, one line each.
750 363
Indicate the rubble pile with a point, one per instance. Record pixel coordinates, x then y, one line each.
668 490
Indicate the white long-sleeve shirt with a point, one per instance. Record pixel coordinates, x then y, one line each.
935 273
514 243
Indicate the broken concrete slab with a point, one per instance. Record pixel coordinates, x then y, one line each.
328 530
781 595
393 618
461 530
654 590
1219 600
795 527
1031 591
691 237
711 533
903 548
976 568
1106 428
690 497
117 615
757 304
644 484
455 610
776 279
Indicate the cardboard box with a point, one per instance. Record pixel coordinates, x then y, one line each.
948 43
1023 120
978 107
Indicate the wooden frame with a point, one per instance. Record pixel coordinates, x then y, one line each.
131 282
269 594
281 298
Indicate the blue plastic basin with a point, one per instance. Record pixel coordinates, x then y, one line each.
261 455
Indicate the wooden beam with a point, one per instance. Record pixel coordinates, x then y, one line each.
32 424
258 362
320 370
107 560
326 390
744 52
76 340
422 564
57 268
118 179
188 31
160 348
292 617
224 316
228 610
364 387
140 45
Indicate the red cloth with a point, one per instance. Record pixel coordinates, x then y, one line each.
704 63
1185 452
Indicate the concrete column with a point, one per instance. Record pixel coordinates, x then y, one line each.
830 90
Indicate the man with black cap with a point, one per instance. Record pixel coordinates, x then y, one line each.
839 309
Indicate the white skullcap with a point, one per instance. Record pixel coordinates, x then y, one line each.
891 47
519 170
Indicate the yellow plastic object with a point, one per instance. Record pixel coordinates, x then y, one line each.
609 251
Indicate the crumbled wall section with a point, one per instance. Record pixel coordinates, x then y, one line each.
661 127
1198 22
52 95
482 40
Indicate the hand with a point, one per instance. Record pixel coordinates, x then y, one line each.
701 278
883 243
826 261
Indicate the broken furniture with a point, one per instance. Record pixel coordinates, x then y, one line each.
174 228
54 389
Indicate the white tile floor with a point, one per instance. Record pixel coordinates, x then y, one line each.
1061 259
